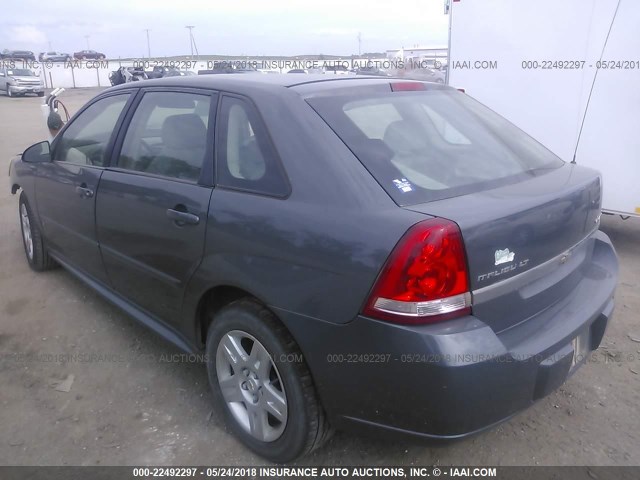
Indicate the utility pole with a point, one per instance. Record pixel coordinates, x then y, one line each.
148 43
192 41
86 37
359 43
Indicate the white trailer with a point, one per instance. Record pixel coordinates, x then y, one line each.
566 72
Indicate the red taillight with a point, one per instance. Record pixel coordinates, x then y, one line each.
407 86
425 278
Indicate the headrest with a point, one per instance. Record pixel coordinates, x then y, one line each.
184 131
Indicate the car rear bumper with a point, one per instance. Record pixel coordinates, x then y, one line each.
459 377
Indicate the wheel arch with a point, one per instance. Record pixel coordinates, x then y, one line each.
215 299
211 302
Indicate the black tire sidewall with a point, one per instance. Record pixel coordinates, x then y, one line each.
37 263
293 441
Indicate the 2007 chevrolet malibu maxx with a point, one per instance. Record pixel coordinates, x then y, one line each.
366 253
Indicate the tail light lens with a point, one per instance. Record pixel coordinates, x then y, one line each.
425 280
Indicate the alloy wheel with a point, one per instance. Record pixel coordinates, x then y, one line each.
26 231
251 386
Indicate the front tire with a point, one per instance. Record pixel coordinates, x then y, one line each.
32 240
9 92
262 384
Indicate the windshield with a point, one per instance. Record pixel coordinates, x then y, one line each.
20 72
427 145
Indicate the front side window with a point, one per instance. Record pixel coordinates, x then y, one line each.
85 140
168 135
246 159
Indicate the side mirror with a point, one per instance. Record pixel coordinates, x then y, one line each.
38 153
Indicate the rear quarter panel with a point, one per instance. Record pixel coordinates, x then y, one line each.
316 252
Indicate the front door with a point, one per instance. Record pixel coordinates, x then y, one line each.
66 188
153 202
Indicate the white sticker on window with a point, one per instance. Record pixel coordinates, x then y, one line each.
403 185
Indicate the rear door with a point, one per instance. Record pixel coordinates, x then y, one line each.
153 201
66 187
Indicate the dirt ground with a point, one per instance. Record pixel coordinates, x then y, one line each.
132 404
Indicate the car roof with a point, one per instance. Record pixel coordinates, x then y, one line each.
252 82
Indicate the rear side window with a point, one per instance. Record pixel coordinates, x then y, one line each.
168 135
246 159
427 145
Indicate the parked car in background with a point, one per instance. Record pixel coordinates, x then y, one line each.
17 55
161 72
217 71
179 73
424 74
375 71
20 81
54 57
127 75
228 68
158 71
336 70
374 254
89 55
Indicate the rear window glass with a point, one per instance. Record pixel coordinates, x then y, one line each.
427 145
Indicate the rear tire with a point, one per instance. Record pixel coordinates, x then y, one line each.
266 371
32 240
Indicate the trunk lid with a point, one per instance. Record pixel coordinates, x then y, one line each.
518 230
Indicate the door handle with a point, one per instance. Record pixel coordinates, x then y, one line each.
181 217
83 191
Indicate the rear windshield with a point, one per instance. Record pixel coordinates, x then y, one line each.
427 145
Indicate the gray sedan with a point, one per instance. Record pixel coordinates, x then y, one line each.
371 254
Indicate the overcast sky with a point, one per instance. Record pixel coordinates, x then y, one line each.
231 27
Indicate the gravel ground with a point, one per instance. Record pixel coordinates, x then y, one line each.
135 405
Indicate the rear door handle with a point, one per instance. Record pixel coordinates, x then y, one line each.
181 217
83 191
